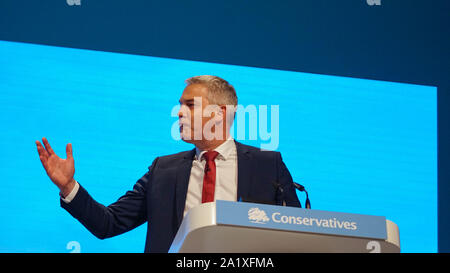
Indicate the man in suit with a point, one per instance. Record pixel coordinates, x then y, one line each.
217 168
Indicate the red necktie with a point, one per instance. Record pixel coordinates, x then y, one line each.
209 179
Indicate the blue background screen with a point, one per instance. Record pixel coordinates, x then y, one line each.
359 146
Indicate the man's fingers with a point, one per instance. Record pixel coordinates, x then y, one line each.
44 162
43 155
69 150
41 150
47 146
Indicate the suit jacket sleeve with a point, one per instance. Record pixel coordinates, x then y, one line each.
128 212
285 181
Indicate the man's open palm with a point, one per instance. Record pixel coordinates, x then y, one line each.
59 170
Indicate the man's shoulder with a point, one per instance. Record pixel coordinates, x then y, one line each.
255 151
180 155
173 159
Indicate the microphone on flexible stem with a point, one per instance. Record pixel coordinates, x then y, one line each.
281 191
302 188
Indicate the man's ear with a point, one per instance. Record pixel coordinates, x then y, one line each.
222 112
229 112
212 110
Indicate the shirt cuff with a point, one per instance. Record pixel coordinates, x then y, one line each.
72 194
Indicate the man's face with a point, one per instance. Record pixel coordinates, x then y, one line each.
192 116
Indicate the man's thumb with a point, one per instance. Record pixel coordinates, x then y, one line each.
69 150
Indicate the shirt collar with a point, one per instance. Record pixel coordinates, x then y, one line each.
223 149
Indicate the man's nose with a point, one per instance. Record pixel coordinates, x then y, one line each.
182 111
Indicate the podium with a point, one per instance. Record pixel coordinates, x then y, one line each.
239 227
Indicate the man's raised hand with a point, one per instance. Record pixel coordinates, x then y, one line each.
59 170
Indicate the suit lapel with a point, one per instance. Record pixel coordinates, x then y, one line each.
245 167
181 187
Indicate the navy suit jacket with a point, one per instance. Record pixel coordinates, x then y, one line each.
158 198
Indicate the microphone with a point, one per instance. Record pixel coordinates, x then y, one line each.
280 190
302 188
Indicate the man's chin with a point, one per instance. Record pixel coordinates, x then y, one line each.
187 139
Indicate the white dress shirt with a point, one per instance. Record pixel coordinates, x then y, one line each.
226 176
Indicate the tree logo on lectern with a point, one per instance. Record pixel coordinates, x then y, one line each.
256 215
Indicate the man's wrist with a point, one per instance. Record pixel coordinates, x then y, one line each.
69 197
66 190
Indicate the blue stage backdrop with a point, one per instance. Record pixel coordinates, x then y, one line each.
359 146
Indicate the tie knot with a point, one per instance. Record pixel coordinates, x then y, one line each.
210 155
